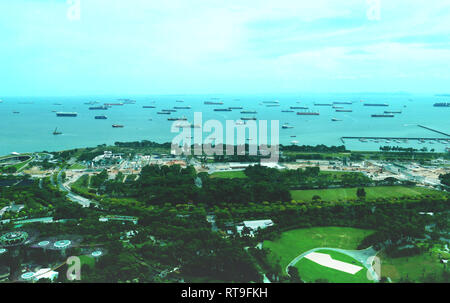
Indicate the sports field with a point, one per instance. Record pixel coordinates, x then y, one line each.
295 242
310 271
343 194
229 174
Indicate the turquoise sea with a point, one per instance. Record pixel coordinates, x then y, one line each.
32 128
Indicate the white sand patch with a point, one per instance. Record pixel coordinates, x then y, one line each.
326 260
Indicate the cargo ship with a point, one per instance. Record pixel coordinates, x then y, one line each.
323 104
342 103
299 107
112 104
62 114
286 126
335 120
344 110
308 113
101 117
103 107
148 106
441 104
177 119
163 113
182 107
117 126
222 110
235 107
213 103
272 105
390 112
247 118
169 110
248 112
382 116
287 111
376 104
271 102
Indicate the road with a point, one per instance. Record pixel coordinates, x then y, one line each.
72 196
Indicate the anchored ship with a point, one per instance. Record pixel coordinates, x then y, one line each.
56 132
103 107
177 119
101 117
382 116
342 103
376 104
62 114
441 105
117 126
308 113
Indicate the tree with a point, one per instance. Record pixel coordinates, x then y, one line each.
293 273
361 193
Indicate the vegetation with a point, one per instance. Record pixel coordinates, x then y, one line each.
371 193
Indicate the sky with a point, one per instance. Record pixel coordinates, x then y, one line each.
134 47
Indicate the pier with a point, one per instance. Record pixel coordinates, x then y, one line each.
396 138
434 130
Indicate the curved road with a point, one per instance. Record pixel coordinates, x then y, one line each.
72 196
365 256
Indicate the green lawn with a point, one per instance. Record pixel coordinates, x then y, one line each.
337 194
295 242
229 174
310 271
87 260
77 166
413 268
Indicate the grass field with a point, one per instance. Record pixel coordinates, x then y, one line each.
229 174
337 194
87 260
77 166
413 268
295 242
310 271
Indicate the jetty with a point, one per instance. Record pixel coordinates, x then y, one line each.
434 130
395 138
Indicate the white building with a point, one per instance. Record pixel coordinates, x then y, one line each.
254 225
45 273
